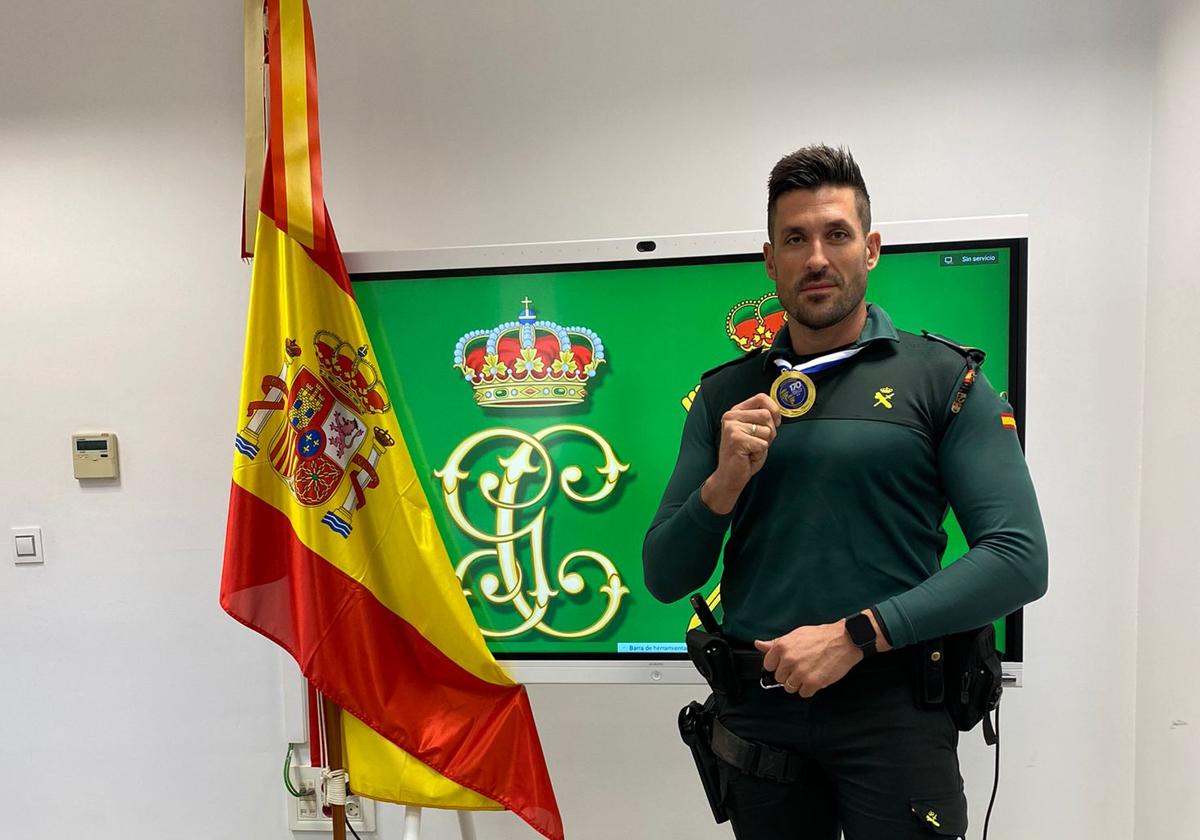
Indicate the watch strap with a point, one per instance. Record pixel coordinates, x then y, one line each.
860 626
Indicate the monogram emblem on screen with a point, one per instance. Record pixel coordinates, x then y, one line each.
511 571
315 418
529 362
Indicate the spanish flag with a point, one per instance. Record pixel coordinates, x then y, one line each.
331 549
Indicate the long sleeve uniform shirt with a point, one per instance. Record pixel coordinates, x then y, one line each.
847 510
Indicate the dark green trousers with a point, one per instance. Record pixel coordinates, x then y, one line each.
876 766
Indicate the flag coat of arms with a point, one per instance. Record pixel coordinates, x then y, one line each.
331 547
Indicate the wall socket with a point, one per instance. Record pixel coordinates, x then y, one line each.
304 813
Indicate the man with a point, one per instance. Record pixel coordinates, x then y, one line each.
834 500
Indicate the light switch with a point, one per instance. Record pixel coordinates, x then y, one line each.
27 545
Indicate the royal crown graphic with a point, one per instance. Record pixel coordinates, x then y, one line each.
345 369
529 362
753 324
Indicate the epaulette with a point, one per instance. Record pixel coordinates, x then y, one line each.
974 357
756 351
967 352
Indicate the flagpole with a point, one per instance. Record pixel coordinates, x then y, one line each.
466 825
412 822
333 759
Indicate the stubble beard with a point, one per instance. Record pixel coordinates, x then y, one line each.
845 299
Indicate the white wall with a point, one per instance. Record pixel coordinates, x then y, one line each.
129 705
1168 674
467 123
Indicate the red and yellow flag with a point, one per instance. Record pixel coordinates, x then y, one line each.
332 550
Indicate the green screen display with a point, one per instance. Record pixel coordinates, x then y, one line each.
545 458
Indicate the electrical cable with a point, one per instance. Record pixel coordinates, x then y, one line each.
287 773
996 778
352 831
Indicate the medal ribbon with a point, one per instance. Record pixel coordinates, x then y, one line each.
821 362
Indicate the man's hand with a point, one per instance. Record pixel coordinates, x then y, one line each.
747 431
811 658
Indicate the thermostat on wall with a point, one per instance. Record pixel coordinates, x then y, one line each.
94 456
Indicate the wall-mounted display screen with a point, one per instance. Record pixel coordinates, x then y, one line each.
543 405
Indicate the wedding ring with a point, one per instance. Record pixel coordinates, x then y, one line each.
753 430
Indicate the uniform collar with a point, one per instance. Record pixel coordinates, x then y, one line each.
878 327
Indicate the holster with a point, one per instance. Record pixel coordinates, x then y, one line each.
695 727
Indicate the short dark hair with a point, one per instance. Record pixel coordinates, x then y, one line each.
813 167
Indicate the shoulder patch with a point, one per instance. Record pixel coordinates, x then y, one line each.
971 353
730 363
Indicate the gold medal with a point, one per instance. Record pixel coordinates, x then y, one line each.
794 393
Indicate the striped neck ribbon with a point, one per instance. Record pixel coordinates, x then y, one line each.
829 360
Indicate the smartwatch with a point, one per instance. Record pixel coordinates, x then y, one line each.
862 633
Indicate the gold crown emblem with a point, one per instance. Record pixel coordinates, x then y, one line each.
345 369
529 362
752 324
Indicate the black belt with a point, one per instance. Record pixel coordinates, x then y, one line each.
748 664
753 757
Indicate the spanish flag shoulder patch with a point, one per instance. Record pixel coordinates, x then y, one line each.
1008 421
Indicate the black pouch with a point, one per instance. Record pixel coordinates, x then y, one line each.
973 678
713 658
695 727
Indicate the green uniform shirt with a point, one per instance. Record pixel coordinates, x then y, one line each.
847 510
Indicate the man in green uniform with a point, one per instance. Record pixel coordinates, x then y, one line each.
830 460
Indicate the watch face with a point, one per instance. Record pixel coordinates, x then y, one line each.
860 630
